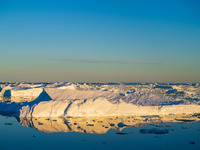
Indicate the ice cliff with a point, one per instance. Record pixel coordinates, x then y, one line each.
65 102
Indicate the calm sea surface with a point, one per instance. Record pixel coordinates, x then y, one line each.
183 136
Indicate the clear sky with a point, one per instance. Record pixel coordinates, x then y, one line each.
100 40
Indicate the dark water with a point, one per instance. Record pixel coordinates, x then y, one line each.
180 136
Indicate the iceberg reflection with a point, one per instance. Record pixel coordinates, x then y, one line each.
99 125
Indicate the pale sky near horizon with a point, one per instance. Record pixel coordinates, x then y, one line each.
100 41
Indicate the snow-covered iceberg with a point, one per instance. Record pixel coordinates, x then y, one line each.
68 102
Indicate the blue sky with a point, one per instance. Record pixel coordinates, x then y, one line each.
100 41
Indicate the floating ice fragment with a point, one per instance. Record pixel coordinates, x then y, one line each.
121 133
191 142
154 131
184 127
121 124
90 125
186 120
39 123
9 124
112 124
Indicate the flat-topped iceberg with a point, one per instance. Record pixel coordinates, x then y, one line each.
71 102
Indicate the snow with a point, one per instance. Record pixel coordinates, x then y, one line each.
75 103
25 95
64 100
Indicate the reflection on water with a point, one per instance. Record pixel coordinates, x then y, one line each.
100 125
170 132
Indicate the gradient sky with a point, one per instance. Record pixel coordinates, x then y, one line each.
100 40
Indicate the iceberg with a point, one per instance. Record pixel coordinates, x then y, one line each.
71 100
